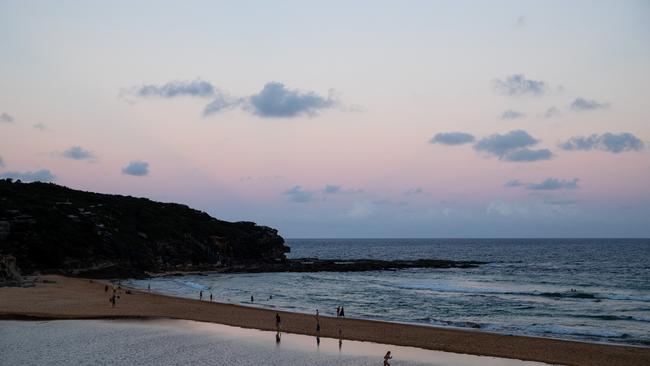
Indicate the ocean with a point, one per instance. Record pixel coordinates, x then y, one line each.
595 290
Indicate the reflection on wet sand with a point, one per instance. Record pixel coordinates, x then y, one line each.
173 342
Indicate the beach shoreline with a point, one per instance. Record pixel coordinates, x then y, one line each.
75 298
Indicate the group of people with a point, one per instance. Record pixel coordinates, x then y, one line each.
340 311
201 295
114 297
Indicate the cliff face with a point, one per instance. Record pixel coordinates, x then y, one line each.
9 274
50 228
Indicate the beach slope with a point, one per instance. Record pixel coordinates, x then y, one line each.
56 297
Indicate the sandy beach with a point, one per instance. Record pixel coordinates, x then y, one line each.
56 297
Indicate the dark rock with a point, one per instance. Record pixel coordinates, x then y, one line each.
9 273
355 265
53 229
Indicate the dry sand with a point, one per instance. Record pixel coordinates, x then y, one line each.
73 298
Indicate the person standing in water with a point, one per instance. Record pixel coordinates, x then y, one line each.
342 312
386 358
252 298
201 295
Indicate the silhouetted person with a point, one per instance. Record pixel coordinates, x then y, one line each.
201 295
386 358
277 321
149 286
210 296
317 341
338 311
252 298
342 313
318 327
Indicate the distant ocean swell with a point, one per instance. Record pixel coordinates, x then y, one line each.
567 294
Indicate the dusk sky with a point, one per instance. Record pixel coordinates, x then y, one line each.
341 119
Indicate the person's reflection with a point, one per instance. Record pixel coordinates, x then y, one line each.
340 339
317 341
277 338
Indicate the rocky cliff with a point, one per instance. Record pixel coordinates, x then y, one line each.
9 273
53 229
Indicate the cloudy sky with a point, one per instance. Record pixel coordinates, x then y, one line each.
340 119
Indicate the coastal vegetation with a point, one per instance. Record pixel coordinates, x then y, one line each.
49 228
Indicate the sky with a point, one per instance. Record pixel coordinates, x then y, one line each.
337 118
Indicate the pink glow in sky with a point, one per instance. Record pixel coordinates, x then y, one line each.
318 119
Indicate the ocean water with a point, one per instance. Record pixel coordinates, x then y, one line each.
594 290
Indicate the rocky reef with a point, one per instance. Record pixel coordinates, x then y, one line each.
47 228
349 265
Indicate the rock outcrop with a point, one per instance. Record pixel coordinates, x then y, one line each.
349 265
9 273
53 229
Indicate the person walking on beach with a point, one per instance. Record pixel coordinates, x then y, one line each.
277 321
338 311
342 312
386 358
201 295
252 298
210 296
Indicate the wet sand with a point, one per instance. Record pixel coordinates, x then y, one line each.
162 342
70 298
